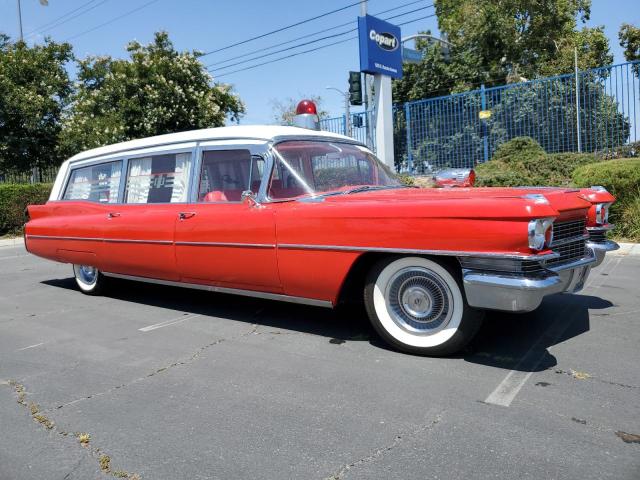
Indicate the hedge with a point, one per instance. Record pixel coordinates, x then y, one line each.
14 198
522 161
622 178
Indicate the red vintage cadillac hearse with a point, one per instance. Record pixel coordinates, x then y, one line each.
312 217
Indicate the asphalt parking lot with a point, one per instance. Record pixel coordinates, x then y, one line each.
170 383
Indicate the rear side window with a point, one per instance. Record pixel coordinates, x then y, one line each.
225 174
159 179
96 183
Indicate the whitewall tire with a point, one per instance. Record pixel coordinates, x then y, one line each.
418 305
89 279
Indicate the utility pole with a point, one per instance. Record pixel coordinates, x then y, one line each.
20 21
347 110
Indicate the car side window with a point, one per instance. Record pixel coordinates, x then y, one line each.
95 183
225 174
159 179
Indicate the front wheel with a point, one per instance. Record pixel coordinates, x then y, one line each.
417 305
89 279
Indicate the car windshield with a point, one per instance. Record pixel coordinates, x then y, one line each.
314 168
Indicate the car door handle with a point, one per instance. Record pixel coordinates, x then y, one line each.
186 215
113 214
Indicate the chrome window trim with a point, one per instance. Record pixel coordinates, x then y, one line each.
150 152
73 167
234 291
255 149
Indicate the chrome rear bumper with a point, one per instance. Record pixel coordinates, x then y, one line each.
524 293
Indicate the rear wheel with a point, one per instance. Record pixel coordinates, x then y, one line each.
89 279
417 305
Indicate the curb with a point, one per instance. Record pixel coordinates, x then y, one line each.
627 250
12 242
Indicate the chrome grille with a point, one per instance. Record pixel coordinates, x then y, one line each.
569 250
564 230
597 235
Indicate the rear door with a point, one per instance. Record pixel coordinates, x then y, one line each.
220 239
139 232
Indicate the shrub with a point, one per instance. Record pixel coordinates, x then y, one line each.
522 161
622 178
14 198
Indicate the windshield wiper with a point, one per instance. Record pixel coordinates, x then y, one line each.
366 188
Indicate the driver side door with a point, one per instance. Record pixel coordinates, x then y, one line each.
222 240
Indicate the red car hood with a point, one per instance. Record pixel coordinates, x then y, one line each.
569 202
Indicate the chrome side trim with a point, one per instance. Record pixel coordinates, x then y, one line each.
454 253
125 240
224 244
234 291
157 242
53 237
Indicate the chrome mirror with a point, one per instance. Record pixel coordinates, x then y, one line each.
249 198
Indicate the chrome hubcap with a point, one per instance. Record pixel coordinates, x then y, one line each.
88 274
419 300
416 301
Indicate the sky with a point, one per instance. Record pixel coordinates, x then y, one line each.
209 25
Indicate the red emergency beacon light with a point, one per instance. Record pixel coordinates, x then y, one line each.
307 115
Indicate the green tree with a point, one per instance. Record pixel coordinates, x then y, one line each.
629 37
495 43
157 90
34 90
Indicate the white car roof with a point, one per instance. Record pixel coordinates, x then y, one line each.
239 132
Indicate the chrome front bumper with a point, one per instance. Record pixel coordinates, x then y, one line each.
522 293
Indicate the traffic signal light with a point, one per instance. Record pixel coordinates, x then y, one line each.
355 88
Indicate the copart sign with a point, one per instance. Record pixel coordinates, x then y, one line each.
380 50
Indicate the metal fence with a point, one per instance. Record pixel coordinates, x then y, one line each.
448 131
359 122
46 175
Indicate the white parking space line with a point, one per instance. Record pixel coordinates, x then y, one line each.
30 346
167 323
509 387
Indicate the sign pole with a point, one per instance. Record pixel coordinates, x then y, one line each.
384 119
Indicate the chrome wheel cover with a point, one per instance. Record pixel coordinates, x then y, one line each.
419 300
88 274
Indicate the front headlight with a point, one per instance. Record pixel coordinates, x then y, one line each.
602 213
540 233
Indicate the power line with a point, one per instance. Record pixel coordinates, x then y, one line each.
288 56
281 29
313 34
45 25
108 22
310 50
56 23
